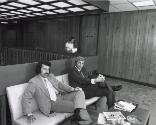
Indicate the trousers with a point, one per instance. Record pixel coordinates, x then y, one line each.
69 102
100 90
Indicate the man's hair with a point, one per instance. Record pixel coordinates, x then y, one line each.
39 66
79 58
71 38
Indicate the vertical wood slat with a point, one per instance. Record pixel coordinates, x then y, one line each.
11 56
3 117
89 35
127 45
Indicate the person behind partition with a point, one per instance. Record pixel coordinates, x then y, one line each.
70 46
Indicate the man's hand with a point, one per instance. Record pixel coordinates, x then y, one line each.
100 78
77 89
31 118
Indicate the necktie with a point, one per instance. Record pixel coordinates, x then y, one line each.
82 74
50 89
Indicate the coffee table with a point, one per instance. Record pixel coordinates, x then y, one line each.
142 114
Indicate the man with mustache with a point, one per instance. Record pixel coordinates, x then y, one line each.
51 95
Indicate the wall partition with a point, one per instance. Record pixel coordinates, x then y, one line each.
52 34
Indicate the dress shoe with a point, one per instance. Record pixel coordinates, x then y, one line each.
76 117
117 88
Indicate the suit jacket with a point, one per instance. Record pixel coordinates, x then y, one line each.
36 89
79 78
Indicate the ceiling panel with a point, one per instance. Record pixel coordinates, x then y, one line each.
11 10
14 10
126 5
147 7
113 9
118 1
136 0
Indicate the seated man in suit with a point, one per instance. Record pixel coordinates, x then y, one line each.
51 95
95 87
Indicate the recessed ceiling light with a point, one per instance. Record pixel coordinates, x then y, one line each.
34 9
9 14
1 15
47 0
90 7
7 7
47 7
75 9
3 10
39 14
22 16
4 22
29 15
25 11
16 4
48 12
1 1
16 12
77 2
61 4
12 17
144 3
15 17
30 2
61 11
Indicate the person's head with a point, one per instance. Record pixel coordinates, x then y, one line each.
79 62
43 68
72 39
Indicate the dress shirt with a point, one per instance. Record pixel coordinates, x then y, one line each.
92 80
52 91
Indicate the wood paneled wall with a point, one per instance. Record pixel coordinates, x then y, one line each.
50 34
9 35
89 35
2 30
127 45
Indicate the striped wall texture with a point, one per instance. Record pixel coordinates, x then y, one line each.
127 45
10 56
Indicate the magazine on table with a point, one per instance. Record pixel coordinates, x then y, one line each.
113 115
125 106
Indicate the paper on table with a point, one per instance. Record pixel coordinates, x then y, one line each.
114 115
101 119
126 106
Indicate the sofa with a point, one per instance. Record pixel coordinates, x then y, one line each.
14 95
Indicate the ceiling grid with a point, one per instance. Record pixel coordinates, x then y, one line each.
14 10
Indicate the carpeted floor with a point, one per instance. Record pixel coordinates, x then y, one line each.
143 95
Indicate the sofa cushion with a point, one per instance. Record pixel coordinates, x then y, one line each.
14 94
59 78
41 119
63 78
